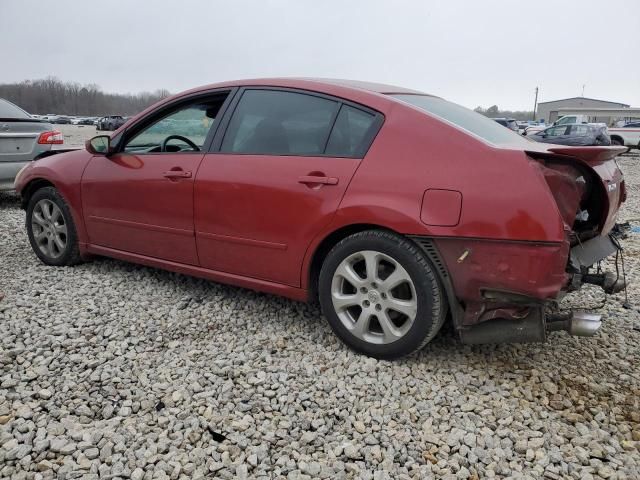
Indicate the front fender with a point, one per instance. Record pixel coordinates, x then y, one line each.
64 172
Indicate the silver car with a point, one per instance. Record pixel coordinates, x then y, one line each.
22 139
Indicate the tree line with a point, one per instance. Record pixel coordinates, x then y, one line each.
52 95
495 112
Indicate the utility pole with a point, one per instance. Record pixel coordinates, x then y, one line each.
583 85
535 105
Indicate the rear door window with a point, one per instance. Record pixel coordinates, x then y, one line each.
351 133
274 122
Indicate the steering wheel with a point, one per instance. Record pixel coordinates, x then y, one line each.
163 147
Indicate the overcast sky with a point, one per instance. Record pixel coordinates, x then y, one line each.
472 52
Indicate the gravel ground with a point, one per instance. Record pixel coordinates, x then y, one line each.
76 135
111 370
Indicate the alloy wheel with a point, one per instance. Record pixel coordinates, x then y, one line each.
49 228
374 297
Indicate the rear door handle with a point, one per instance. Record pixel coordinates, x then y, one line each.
176 174
311 179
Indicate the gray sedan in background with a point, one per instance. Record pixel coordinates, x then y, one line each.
22 139
573 134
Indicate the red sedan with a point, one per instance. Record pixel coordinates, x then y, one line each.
396 209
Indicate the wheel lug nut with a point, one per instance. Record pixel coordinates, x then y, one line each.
378 307
366 303
364 290
383 295
374 285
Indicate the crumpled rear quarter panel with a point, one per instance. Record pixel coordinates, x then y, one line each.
532 269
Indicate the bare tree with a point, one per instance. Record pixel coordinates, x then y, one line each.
51 95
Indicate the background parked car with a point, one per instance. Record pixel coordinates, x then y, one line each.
49 117
62 121
627 135
22 138
83 121
533 127
507 122
111 122
577 134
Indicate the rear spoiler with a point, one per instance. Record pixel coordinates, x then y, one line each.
24 120
48 153
589 155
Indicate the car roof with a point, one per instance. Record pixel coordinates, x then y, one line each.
310 83
303 82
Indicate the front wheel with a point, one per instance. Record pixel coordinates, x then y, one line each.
50 228
381 294
617 142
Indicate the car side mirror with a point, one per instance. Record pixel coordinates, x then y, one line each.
99 145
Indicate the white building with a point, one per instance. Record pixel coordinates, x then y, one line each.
550 110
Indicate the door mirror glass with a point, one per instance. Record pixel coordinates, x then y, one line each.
99 145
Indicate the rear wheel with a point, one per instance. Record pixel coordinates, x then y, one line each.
50 228
381 295
617 141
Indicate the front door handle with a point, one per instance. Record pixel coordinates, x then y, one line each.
177 174
312 179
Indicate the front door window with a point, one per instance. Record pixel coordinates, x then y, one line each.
183 130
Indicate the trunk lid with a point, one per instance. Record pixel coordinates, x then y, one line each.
18 139
587 184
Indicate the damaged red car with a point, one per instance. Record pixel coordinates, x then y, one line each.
397 210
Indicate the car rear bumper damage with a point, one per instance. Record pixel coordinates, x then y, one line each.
513 293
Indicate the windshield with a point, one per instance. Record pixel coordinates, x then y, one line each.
471 121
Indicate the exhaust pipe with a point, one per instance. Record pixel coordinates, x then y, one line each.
581 324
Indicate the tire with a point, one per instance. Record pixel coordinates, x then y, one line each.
617 142
52 233
361 307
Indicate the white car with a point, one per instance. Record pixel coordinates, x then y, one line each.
628 135
534 128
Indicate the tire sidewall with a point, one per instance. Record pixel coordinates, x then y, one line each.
425 282
70 253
